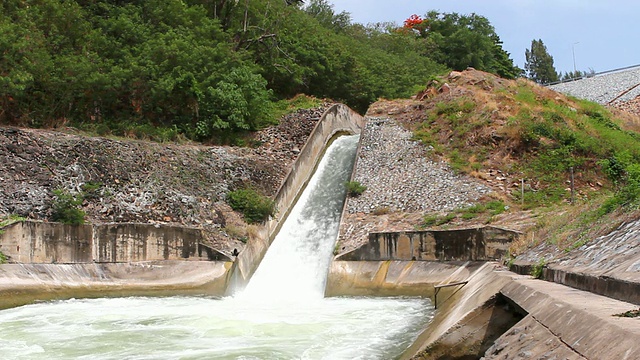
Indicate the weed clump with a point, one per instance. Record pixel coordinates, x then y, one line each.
355 189
254 206
66 208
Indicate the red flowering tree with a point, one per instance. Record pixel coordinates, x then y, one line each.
416 23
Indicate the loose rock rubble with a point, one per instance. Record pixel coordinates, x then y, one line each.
403 183
400 176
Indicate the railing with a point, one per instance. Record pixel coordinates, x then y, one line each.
438 287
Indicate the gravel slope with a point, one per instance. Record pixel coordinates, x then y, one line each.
603 88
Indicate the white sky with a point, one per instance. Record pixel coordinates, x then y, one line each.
603 34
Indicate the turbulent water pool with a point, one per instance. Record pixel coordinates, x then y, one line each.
208 328
282 313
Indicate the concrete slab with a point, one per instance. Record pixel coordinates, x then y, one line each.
584 321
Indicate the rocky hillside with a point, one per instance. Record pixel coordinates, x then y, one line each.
465 150
134 181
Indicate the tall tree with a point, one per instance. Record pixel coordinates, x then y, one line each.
539 63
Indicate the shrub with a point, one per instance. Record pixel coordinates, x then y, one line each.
354 188
254 206
437 220
65 208
3 258
536 269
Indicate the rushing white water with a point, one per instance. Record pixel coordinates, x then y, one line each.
281 315
296 264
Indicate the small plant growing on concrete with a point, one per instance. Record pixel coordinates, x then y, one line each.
629 314
537 269
354 188
10 220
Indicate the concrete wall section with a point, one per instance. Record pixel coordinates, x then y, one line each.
457 307
24 283
139 242
380 278
36 242
47 243
337 119
475 244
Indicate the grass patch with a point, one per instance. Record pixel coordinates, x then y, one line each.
354 188
13 218
437 220
629 314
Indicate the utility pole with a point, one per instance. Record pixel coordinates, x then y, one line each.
573 51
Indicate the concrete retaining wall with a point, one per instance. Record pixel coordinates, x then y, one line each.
381 278
613 287
24 283
36 242
337 119
475 244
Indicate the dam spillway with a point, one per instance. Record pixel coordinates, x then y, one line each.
282 313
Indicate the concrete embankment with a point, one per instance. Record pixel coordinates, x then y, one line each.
566 322
608 265
24 283
494 313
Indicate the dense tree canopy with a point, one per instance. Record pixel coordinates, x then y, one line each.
209 68
461 41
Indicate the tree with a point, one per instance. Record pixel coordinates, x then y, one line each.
577 75
462 41
323 11
539 63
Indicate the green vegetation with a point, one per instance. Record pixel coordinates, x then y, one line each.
254 206
539 63
488 210
354 188
3 258
213 70
91 190
65 208
630 314
543 138
13 218
538 268
437 220
460 41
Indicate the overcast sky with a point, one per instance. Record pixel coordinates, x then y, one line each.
603 34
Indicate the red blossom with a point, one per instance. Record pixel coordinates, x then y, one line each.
412 21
